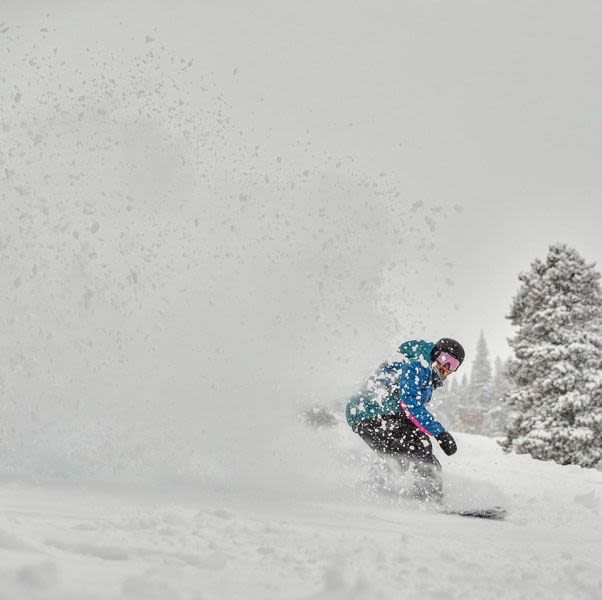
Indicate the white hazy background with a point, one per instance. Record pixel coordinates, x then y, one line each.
214 213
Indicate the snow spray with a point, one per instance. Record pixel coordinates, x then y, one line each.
174 294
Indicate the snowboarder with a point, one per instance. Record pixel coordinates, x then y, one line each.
390 412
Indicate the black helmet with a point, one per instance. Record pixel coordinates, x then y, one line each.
450 346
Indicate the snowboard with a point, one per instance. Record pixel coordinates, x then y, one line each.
490 512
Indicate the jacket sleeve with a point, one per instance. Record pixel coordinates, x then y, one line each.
414 393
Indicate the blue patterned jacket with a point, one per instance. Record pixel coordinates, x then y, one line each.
403 387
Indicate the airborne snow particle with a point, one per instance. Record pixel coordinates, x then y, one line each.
21 190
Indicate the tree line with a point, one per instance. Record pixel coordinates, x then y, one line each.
546 399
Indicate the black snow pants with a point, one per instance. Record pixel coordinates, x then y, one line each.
395 435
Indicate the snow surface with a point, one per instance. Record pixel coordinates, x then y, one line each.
84 541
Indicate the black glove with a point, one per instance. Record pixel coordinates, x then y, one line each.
447 443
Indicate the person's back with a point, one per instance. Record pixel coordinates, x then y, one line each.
380 393
390 412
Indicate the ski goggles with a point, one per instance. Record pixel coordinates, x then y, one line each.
451 363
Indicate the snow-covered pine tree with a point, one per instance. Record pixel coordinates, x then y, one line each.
480 387
557 369
462 390
497 415
500 384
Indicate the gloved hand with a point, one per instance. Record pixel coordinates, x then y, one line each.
447 443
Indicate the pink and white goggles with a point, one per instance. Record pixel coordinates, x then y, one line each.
451 363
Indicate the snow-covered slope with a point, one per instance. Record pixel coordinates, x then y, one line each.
76 541
213 212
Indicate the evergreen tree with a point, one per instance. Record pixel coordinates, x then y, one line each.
557 389
500 385
480 389
497 416
462 390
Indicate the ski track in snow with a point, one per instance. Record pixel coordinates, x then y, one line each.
76 541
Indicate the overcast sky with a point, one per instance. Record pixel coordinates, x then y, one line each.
481 119
493 106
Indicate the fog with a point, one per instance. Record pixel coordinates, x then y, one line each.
175 296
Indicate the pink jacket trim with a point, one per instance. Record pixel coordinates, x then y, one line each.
413 418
